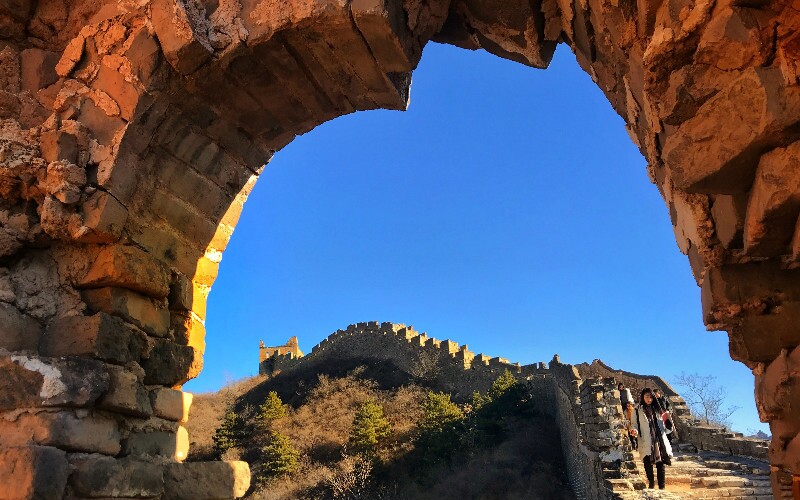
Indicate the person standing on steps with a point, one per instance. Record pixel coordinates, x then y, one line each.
654 446
625 397
633 434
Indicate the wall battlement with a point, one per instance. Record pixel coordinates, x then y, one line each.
449 364
291 348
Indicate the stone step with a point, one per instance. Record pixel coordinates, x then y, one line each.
711 476
725 482
652 495
712 495
734 491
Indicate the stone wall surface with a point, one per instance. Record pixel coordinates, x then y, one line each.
114 115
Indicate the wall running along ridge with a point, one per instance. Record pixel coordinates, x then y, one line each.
114 115
583 400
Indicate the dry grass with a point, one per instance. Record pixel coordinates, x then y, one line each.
321 426
528 464
207 411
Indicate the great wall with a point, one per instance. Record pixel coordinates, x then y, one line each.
114 115
583 400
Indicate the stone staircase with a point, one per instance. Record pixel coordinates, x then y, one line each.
709 476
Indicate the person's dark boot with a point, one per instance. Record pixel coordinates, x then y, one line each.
648 471
662 476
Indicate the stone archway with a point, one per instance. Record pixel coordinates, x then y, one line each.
133 131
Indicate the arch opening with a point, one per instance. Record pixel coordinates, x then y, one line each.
133 132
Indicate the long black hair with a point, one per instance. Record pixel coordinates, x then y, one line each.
646 390
655 405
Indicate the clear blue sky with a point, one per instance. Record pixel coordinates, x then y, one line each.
506 209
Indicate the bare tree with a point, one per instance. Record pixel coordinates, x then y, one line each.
706 398
426 365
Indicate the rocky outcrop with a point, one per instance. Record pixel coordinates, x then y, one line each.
114 115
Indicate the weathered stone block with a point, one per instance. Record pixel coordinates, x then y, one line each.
728 212
704 157
760 337
38 69
9 61
181 35
59 145
184 218
171 404
126 394
127 267
144 54
162 240
33 472
18 332
726 288
181 296
104 216
133 307
206 480
207 271
65 430
101 336
32 381
774 204
187 329
100 476
173 445
122 92
169 364
384 28
10 106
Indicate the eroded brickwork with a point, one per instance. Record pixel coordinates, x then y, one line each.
131 133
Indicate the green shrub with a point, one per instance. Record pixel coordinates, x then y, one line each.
439 412
272 408
370 427
502 385
506 399
227 434
440 427
279 456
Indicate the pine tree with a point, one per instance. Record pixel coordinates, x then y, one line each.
440 427
506 399
439 412
225 437
370 427
273 408
279 456
502 385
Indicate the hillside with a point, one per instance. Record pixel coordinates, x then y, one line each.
504 450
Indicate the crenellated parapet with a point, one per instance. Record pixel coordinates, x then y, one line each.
444 362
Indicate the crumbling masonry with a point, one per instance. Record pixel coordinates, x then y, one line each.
115 115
